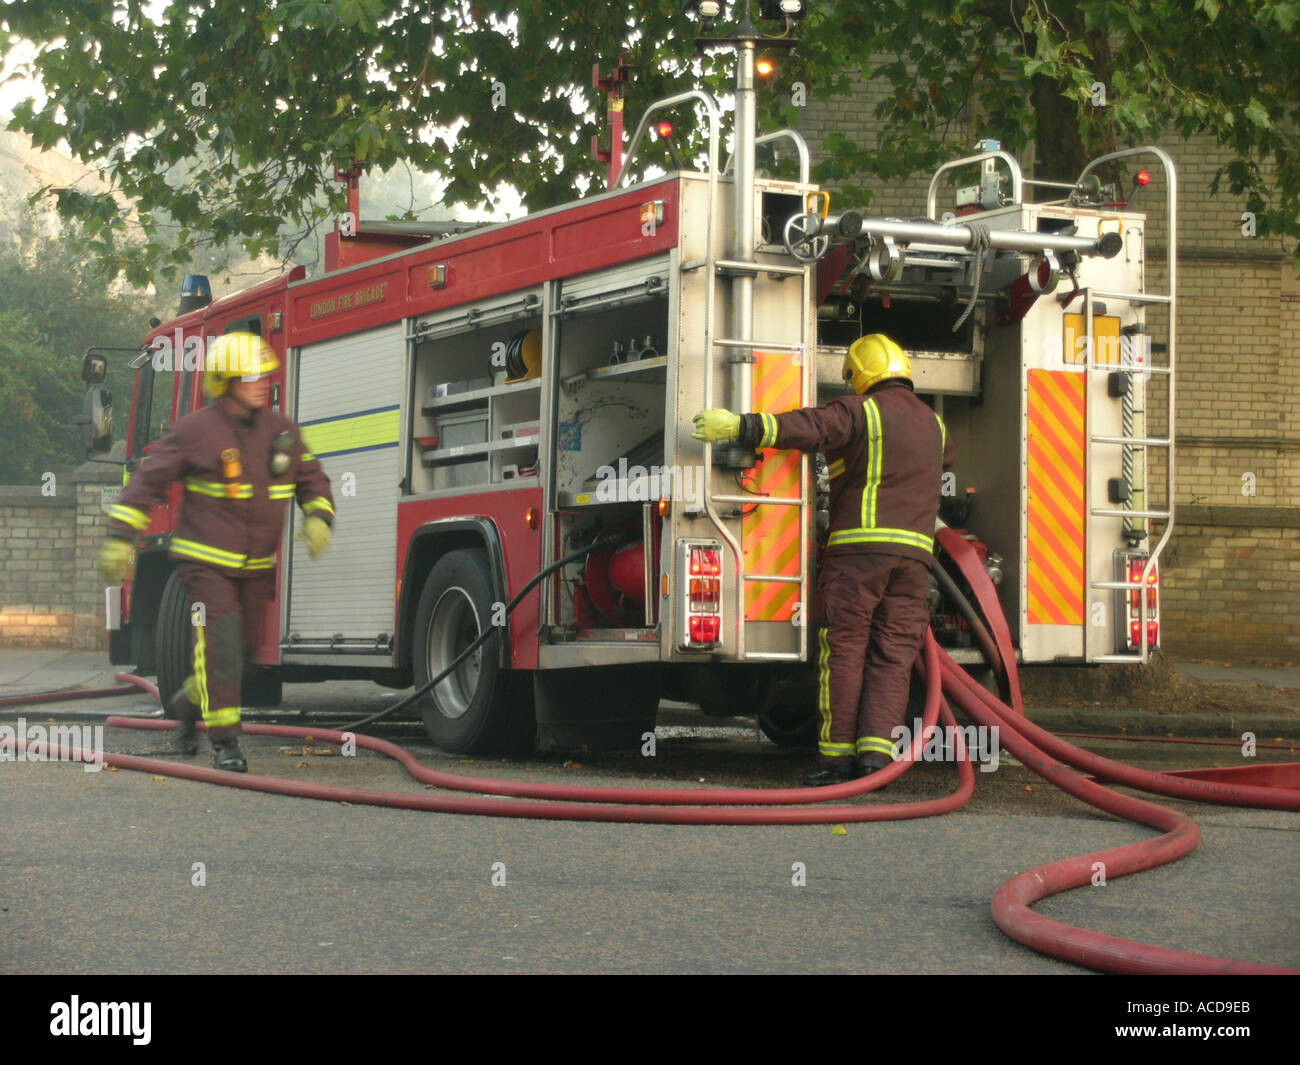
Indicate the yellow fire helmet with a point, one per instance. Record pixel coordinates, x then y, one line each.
236 356
872 359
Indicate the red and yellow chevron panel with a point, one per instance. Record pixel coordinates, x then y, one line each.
769 536
1054 480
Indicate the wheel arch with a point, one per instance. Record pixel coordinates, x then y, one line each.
153 567
430 542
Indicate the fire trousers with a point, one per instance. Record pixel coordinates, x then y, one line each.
871 615
226 616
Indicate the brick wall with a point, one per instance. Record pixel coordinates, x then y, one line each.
1230 582
37 548
50 593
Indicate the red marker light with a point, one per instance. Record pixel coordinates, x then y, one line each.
664 129
1143 178
705 630
763 67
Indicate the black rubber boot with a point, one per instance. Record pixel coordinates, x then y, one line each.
872 763
185 714
226 755
822 775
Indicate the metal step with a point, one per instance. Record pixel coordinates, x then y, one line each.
1157 514
735 265
1136 298
785 501
1134 441
728 342
1119 586
1139 370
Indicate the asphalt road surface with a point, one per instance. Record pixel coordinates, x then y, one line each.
120 872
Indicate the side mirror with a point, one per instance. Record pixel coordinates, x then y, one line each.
94 368
96 420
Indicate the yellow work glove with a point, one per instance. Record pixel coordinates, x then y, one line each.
316 532
114 559
716 425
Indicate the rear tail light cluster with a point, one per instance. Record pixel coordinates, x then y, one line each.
701 601
1133 600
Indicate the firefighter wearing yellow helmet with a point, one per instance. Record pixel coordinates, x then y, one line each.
236 357
886 452
241 464
872 359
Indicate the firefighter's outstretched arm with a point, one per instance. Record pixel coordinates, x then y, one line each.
809 429
129 517
316 500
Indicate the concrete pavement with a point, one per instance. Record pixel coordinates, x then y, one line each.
1217 673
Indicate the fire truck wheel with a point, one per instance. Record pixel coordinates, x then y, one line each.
731 693
599 708
792 725
480 707
261 686
173 647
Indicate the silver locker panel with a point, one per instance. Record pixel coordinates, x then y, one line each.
349 402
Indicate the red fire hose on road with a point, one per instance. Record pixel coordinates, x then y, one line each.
1037 749
577 803
34 698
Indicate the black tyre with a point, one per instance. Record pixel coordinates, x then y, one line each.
174 655
596 708
143 647
480 707
261 686
792 725
173 647
726 692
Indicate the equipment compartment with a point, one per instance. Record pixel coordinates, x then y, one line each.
476 376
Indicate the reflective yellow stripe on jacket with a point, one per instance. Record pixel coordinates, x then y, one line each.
217 489
217 557
137 519
319 503
882 536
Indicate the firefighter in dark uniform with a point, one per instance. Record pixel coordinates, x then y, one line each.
886 452
241 464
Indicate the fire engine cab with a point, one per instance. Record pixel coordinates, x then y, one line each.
487 400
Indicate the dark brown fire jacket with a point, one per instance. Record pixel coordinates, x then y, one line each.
232 515
886 451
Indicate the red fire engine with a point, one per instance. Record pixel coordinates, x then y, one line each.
489 400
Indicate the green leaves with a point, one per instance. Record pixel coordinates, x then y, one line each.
53 305
1256 112
229 117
